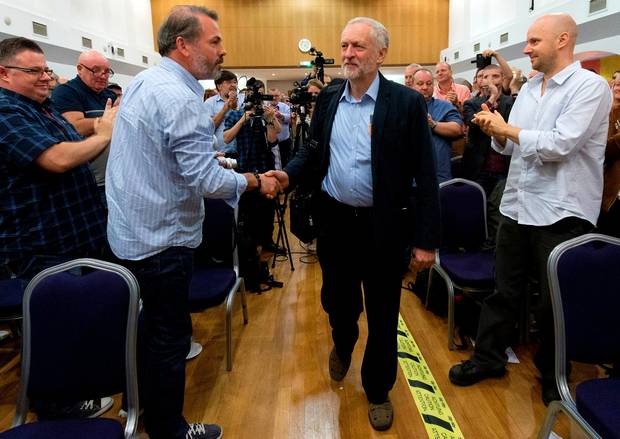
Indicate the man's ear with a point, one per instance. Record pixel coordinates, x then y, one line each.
382 55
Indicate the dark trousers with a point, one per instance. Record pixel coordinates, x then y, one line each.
286 147
521 251
349 259
609 222
165 335
256 217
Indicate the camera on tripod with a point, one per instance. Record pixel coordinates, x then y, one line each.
319 62
482 61
301 99
254 98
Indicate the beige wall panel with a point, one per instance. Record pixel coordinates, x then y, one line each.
264 33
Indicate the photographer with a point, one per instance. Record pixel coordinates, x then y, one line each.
283 114
252 131
489 54
218 106
303 98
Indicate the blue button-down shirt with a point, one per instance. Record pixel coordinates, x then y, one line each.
161 165
213 106
349 176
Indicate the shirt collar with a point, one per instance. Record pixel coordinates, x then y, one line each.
559 77
172 66
372 91
20 97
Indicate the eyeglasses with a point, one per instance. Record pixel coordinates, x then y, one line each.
99 72
32 70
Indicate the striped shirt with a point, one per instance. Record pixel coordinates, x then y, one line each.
41 212
161 165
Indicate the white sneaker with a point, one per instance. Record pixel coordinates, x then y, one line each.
194 350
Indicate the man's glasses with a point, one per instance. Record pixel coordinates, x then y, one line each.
32 70
99 72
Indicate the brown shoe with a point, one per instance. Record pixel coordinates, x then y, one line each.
337 368
381 415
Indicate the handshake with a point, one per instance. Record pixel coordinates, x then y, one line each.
271 183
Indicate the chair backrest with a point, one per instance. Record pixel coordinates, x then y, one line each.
463 214
218 247
79 334
584 280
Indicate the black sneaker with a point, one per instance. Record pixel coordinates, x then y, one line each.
91 408
550 391
468 373
203 431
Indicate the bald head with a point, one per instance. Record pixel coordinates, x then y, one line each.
550 43
94 70
559 23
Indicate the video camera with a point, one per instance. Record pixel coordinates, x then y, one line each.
319 62
482 61
254 98
301 98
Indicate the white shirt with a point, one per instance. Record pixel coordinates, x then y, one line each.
556 170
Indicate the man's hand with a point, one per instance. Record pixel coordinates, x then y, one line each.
231 102
281 176
491 123
104 124
422 259
269 186
488 53
430 120
452 97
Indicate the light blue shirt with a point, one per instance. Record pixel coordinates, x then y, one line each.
556 170
285 111
161 165
213 106
349 175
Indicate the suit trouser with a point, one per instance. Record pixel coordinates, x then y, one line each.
521 251
349 258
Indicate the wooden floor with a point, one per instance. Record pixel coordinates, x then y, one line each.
280 387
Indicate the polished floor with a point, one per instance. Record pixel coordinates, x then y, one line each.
280 387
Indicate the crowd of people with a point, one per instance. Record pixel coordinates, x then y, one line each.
96 171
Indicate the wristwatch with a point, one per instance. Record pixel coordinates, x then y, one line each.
257 177
434 124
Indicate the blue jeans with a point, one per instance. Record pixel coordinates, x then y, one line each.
165 336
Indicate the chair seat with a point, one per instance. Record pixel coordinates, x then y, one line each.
472 269
11 297
209 287
598 401
101 428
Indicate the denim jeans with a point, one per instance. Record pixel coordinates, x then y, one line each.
164 338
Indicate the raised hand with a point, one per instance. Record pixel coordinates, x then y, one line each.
104 124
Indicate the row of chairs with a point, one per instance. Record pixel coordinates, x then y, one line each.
585 292
79 331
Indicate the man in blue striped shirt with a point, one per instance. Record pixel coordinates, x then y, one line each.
161 166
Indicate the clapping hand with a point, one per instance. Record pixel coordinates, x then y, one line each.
491 123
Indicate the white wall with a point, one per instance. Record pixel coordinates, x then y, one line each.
483 21
108 23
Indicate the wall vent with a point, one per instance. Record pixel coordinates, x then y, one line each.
597 5
145 59
39 29
87 42
503 38
477 47
120 52
456 55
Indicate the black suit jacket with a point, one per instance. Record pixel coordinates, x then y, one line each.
478 143
401 150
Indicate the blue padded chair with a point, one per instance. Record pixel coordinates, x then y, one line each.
460 261
95 356
584 281
11 298
216 277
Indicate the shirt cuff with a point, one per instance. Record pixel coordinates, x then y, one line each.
528 141
242 184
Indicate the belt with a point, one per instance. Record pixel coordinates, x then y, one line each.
339 208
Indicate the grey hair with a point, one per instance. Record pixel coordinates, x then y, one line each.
379 31
182 22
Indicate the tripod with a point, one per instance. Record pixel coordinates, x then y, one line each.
282 237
